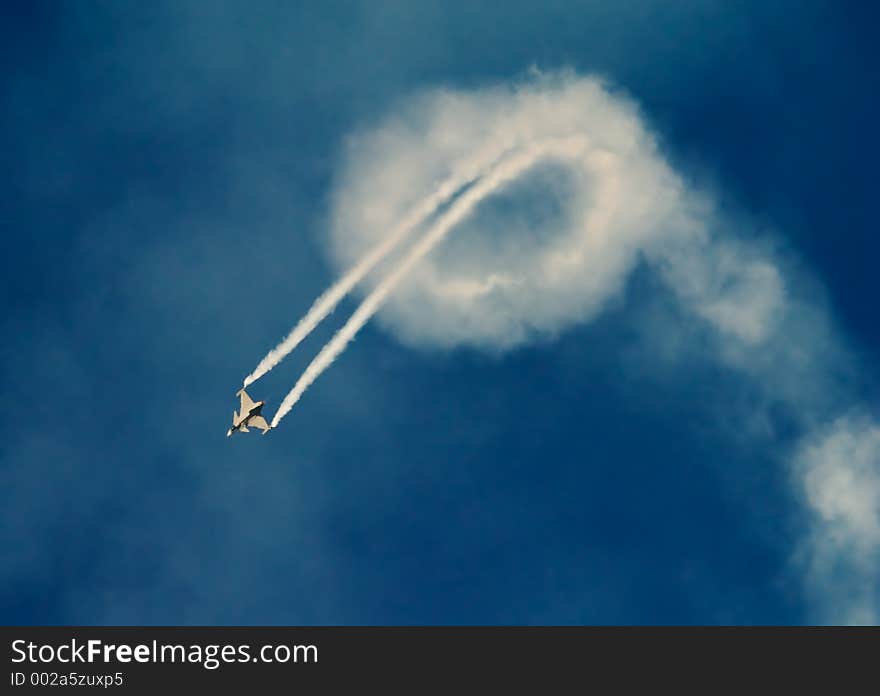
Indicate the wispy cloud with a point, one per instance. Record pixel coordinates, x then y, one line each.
838 474
546 238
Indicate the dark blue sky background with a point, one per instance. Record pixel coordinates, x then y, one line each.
165 185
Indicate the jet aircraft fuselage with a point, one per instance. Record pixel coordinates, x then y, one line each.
248 415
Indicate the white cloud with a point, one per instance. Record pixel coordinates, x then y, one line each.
551 247
546 251
838 472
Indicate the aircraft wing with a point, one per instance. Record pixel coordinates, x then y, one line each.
259 422
246 403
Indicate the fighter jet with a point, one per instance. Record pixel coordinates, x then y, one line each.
248 415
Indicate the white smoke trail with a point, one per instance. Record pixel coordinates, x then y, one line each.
507 170
466 173
620 205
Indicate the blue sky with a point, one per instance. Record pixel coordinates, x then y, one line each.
168 198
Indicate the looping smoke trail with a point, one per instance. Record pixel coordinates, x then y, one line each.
624 205
506 171
468 172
